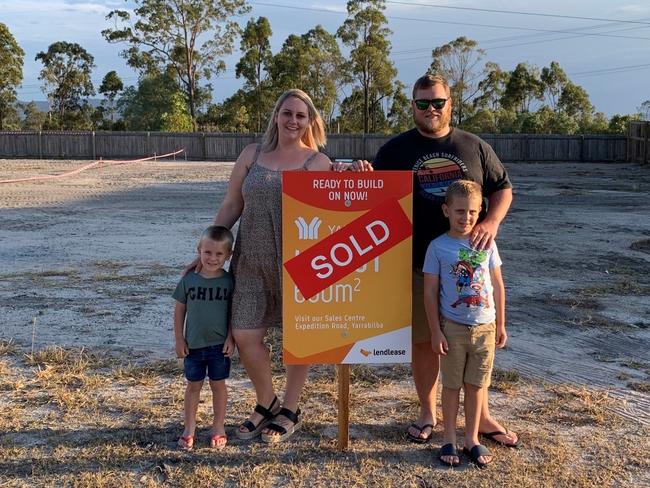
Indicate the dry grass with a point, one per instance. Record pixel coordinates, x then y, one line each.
592 320
8 347
642 386
505 381
71 418
625 287
573 406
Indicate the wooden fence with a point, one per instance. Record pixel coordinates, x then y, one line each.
226 147
638 138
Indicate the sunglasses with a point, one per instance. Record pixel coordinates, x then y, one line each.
437 103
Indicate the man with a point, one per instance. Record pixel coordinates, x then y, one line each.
438 155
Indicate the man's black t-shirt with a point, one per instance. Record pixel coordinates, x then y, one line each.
436 163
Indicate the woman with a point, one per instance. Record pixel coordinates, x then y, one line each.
291 142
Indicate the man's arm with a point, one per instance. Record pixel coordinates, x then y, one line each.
485 232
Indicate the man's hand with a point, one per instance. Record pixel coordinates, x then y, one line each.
501 337
181 348
356 165
484 234
439 343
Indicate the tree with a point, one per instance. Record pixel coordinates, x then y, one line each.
522 88
111 86
188 36
574 100
492 87
255 62
594 124
644 110
290 66
177 119
481 121
143 107
11 74
313 63
326 74
33 119
553 79
399 115
231 115
351 115
547 121
618 123
365 32
66 80
458 61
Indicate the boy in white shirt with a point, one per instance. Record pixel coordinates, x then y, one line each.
464 297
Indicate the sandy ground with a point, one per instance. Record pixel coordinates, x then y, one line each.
91 261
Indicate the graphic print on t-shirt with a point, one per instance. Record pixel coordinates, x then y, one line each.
435 172
470 272
208 293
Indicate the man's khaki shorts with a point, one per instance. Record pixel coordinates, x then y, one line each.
420 332
470 355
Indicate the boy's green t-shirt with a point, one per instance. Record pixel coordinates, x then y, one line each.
208 306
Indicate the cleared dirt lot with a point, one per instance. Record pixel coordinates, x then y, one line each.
90 261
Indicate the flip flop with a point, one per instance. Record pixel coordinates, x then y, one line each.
185 443
416 438
449 450
214 441
476 452
492 437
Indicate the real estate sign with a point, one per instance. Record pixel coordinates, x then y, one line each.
347 267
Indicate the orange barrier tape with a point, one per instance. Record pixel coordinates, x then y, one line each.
106 162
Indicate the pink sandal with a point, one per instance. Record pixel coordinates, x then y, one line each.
215 441
185 443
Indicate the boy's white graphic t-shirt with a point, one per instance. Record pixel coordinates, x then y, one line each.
466 293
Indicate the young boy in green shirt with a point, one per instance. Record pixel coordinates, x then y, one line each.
202 332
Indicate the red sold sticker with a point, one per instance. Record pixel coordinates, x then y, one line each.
338 255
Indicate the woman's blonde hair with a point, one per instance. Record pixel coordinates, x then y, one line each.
314 136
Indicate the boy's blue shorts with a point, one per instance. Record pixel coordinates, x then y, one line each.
209 358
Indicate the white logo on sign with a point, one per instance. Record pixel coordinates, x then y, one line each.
308 231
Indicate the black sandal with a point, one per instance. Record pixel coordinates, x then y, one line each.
284 432
254 430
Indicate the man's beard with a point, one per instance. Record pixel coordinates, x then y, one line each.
431 126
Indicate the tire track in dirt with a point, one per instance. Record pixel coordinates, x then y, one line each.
568 321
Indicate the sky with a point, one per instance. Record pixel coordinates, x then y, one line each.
603 45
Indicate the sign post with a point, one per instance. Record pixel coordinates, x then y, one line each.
346 251
343 378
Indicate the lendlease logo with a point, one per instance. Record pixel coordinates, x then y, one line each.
308 231
383 352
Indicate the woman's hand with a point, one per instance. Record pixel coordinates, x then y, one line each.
361 165
195 266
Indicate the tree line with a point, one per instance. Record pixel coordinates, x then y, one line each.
177 48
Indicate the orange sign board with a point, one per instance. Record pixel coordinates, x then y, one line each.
346 251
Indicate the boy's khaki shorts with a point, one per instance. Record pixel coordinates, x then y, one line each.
470 355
